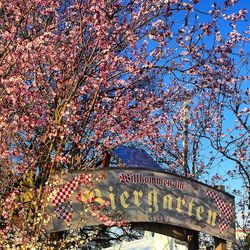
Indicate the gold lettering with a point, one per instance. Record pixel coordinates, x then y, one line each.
95 193
112 198
199 211
168 202
123 197
190 207
152 201
211 218
136 198
180 202
85 196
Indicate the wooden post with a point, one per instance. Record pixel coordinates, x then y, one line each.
220 244
106 159
193 240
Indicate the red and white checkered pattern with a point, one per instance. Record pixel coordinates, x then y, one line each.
65 212
66 191
226 210
64 209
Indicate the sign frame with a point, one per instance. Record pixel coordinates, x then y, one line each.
143 196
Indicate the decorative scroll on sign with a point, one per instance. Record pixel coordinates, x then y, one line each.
137 195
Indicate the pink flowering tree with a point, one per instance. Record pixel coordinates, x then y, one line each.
78 77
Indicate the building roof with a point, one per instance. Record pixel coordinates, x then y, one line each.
135 158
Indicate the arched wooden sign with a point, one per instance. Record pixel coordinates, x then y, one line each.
139 195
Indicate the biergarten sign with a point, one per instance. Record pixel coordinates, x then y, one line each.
140 195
